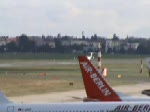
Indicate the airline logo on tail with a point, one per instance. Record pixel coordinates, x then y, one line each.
95 85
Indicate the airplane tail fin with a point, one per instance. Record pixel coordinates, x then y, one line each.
3 99
95 85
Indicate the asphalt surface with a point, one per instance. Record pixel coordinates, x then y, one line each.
77 95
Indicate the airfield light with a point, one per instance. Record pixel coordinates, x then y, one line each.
119 76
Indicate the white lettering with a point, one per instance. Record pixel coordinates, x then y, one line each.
96 79
106 91
100 84
87 68
93 75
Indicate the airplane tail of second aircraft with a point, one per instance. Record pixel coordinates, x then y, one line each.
97 89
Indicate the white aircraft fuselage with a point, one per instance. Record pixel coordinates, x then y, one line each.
78 107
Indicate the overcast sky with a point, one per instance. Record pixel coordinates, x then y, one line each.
71 17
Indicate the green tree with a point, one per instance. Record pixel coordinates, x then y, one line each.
141 49
24 44
11 47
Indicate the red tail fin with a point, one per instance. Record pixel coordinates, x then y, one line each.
95 85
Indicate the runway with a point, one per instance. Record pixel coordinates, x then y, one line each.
77 95
37 63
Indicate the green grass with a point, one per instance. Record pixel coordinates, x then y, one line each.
60 56
36 56
24 77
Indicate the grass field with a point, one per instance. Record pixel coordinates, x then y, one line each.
45 56
24 76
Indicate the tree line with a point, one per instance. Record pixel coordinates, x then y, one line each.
24 44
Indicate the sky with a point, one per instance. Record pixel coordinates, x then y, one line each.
71 17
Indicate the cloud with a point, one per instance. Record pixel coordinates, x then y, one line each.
71 17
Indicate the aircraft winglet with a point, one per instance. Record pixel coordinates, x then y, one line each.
95 85
3 99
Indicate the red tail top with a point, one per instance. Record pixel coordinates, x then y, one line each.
95 85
